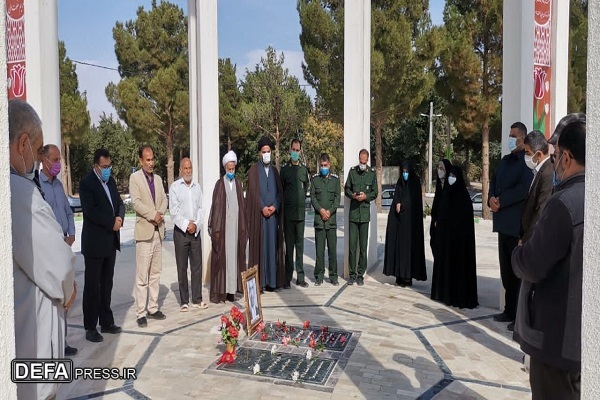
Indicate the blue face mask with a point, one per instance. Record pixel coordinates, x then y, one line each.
295 155
324 171
230 175
512 144
105 173
405 176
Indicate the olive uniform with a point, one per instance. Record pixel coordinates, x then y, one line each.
360 215
294 179
325 193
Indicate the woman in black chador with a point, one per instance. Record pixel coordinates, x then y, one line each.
454 267
440 185
404 242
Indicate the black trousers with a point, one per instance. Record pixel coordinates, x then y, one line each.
97 291
548 382
506 245
188 247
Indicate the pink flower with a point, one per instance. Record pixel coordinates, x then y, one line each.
286 340
306 325
539 77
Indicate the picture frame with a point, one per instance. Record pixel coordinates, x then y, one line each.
252 302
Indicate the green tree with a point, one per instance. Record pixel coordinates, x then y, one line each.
578 35
470 71
74 116
402 55
230 104
152 97
322 136
275 104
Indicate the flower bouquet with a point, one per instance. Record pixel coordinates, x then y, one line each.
230 330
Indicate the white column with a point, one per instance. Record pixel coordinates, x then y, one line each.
357 107
590 351
7 328
204 105
41 51
560 60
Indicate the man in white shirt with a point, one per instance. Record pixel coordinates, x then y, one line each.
185 206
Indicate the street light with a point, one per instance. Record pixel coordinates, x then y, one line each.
430 161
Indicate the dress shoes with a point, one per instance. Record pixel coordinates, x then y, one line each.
360 281
111 329
335 283
157 315
318 282
511 327
502 317
70 351
287 286
92 335
303 284
351 281
142 322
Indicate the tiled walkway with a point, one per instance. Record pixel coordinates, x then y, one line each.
410 347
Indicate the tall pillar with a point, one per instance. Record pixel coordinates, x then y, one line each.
204 105
560 61
590 350
357 107
41 52
7 304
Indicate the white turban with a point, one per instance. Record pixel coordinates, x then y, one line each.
229 157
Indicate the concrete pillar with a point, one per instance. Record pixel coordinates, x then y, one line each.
204 105
7 328
357 106
560 61
41 51
590 351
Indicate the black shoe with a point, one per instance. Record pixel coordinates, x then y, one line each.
70 351
318 283
351 281
269 289
111 329
511 327
335 283
303 284
92 335
157 315
360 281
230 297
278 289
142 322
287 286
502 317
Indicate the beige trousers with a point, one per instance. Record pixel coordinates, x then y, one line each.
148 259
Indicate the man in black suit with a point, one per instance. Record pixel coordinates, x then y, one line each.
103 214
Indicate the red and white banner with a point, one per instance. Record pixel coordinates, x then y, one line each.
542 66
15 49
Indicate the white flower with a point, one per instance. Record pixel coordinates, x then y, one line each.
309 354
274 349
256 369
547 86
295 376
547 108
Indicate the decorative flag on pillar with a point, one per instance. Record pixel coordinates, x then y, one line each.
15 49
542 66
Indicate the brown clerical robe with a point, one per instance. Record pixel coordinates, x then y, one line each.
254 214
218 235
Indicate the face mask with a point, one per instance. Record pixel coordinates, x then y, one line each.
362 166
441 173
295 155
405 176
230 175
529 162
451 180
54 168
105 174
30 175
512 144
555 180
266 158
324 171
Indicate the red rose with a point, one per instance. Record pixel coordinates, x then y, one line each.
312 343
278 324
342 339
306 325
224 319
264 336
233 332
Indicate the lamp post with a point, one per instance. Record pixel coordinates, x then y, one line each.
430 156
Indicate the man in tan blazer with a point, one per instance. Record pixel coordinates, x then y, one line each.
150 204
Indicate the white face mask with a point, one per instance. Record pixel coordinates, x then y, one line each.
451 180
362 166
529 162
30 174
441 173
266 158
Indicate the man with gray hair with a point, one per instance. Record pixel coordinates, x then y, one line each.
43 270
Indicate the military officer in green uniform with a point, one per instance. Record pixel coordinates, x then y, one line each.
361 188
294 178
325 194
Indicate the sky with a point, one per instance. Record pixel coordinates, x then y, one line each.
245 29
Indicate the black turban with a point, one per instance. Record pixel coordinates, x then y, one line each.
265 141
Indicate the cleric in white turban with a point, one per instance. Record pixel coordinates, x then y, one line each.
227 228
230 157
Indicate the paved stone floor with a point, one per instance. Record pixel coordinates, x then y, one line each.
410 347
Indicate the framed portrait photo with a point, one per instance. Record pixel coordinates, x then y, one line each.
251 286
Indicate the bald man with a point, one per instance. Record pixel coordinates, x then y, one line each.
185 207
